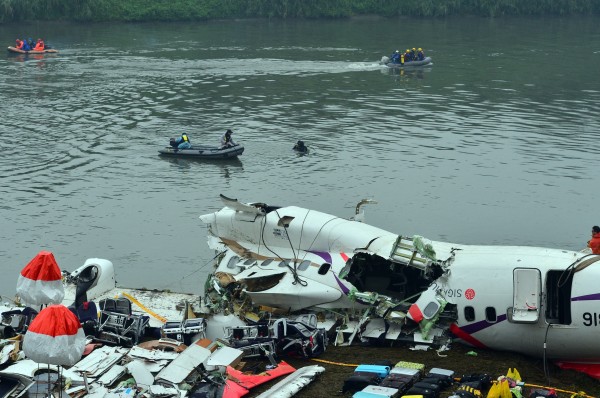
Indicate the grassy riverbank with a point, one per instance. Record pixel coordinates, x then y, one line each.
200 10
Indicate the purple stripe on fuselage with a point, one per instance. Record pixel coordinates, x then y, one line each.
324 255
345 290
479 326
327 257
589 297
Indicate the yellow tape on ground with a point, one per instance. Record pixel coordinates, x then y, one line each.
334 363
148 310
581 394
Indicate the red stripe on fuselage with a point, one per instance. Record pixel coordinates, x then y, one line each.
461 334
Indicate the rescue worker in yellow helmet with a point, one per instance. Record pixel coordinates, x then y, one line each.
420 54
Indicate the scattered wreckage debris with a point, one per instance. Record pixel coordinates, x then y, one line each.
158 368
121 359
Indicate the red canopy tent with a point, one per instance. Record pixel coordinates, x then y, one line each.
40 282
55 336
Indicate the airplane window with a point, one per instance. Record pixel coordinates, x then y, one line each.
304 265
267 261
490 314
431 309
249 261
469 314
284 263
232 262
324 268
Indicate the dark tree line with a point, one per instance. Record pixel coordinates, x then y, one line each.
199 10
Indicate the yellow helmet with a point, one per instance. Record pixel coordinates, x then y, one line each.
414 49
420 49
407 50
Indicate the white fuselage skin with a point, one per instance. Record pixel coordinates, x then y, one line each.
486 283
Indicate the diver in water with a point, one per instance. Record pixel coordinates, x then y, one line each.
300 147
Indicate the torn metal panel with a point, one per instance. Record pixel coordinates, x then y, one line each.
140 373
111 375
293 383
222 357
374 329
164 344
393 332
152 355
100 360
176 372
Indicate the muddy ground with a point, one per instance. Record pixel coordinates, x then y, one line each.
330 383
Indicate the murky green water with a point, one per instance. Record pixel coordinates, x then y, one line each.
496 142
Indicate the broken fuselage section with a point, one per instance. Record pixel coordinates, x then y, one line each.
360 280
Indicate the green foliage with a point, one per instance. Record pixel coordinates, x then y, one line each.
197 10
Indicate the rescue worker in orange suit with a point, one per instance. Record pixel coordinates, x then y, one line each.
39 46
594 243
22 45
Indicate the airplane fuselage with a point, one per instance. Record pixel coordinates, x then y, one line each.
539 301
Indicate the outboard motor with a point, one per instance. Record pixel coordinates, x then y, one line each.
85 280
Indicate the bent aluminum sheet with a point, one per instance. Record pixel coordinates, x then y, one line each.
152 355
100 360
142 376
293 383
183 365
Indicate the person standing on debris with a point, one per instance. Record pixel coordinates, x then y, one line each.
594 243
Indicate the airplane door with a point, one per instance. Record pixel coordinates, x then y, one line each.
527 289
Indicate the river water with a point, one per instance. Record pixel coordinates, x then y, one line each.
495 143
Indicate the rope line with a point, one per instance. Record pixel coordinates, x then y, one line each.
144 308
335 363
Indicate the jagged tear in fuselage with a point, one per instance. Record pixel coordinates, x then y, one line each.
371 273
